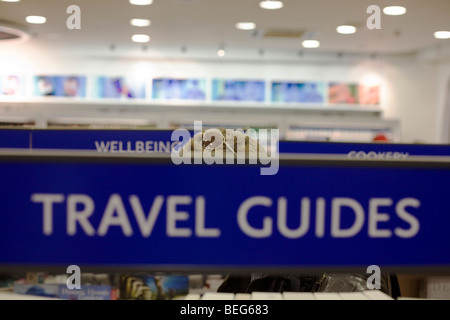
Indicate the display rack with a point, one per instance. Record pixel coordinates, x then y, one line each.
350 123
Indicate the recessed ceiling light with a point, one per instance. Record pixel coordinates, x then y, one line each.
442 34
140 22
10 0
36 19
310 44
271 4
221 52
346 29
141 2
245 25
394 10
140 38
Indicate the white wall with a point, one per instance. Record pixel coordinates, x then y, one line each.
412 89
443 98
411 96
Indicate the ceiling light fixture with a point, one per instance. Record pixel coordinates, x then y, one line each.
310 44
346 29
141 2
271 4
140 22
11 31
36 19
442 34
10 0
140 38
245 25
394 10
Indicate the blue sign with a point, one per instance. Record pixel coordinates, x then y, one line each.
371 151
105 141
160 141
15 138
145 212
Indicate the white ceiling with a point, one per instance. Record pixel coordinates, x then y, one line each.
208 24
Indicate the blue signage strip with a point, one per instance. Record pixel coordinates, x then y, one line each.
105 140
160 141
15 138
145 212
365 150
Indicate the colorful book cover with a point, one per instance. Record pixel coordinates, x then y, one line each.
238 90
153 287
342 93
60 86
42 290
12 85
119 87
298 92
178 89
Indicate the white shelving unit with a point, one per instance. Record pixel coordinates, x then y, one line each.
289 119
